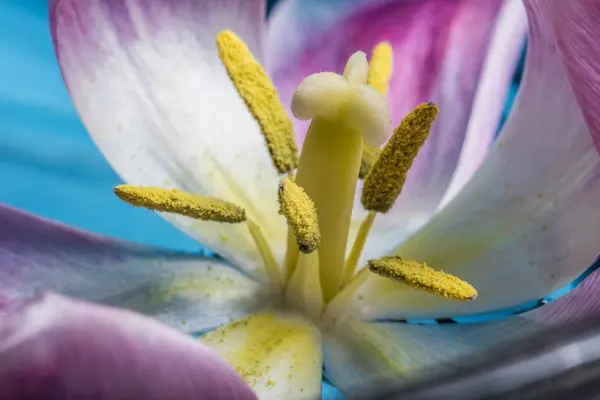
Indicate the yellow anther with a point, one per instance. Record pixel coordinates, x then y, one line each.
301 215
380 67
256 89
369 156
177 202
386 178
380 72
422 277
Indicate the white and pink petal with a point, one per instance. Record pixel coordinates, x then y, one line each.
147 82
442 49
527 223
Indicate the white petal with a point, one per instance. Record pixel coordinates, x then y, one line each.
527 224
186 291
149 87
279 356
358 354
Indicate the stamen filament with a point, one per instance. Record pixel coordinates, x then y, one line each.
304 291
336 308
357 247
291 256
262 245
369 156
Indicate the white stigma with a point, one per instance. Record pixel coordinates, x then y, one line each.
347 97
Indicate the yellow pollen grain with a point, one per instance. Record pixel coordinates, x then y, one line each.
301 215
383 184
369 156
177 202
380 67
258 92
422 277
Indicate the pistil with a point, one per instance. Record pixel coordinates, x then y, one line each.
344 112
329 165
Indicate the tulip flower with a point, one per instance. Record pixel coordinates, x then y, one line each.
336 230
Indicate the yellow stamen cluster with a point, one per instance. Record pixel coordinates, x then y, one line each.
386 178
301 215
258 92
422 277
177 202
349 113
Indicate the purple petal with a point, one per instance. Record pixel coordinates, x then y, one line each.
187 291
442 49
55 348
576 28
580 303
439 46
146 79
527 223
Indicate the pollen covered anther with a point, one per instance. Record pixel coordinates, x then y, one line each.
258 92
177 202
380 67
301 215
385 180
422 277
379 74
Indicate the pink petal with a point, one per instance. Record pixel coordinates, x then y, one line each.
36 254
576 28
55 348
526 225
442 48
488 106
580 303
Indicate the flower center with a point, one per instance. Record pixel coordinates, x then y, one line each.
349 121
